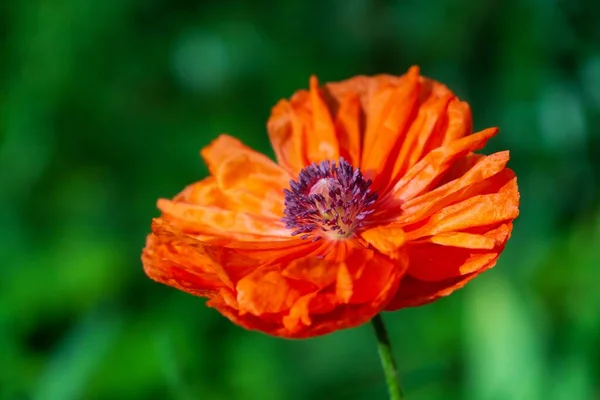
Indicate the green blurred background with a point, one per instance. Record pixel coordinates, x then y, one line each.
104 106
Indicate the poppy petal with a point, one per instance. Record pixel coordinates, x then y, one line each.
313 270
348 101
413 292
460 121
194 218
266 290
434 262
321 141
248 179
302 130
207 198
463 239
391 112
372 291
487 174
287 138
386 239
362 289
177 271
321 267
426 172
180 261
301 310
348 121
434 123
344 288
415 213
169 248
479 210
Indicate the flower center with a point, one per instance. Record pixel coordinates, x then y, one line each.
328 199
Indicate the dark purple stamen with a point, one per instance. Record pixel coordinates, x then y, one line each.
328 197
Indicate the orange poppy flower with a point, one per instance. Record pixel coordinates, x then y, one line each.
376 202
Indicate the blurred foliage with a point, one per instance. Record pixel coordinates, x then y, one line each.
105 105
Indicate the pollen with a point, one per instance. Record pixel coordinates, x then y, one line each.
328 199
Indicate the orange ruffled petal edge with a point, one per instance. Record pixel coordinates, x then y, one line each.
274 287
443 216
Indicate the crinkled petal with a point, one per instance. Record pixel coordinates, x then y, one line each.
245 280
194 218
313 270
487 174
423 175
250 181
266 290
435 262
321 140
476 211
321 266
437 269
400 120
344 288
427 130
361 287
348 124
455 231
414 292
387 239
383 124
391 112
177 260
302 130
172 256
242 200
286 134
463 239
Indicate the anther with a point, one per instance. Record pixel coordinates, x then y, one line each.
328 199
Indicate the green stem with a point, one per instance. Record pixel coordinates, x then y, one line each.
387 358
